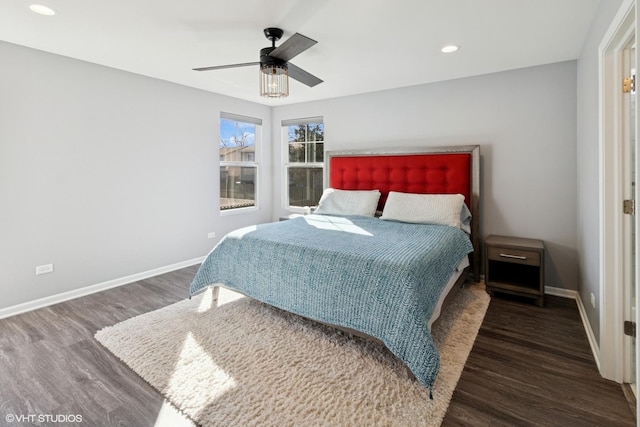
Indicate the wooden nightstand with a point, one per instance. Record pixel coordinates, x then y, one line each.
515 266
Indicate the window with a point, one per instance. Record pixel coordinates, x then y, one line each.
239 139
304 165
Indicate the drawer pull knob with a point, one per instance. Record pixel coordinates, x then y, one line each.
513 256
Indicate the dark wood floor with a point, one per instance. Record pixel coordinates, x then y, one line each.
528 366
50 364
533 366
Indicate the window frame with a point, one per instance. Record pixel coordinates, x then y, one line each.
255 164
288 164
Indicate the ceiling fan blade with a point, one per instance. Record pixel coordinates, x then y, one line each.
302 76
293 46
220 67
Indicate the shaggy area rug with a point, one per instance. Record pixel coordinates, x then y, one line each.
241 363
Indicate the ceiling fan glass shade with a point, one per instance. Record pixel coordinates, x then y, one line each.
274 80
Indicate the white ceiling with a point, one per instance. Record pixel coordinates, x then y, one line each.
363 45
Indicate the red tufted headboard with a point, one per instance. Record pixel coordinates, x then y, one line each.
417 173
439 170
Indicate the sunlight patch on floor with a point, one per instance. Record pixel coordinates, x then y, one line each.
227 295
168 416
204 384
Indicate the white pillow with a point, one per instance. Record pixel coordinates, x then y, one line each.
345 202
465 218
424 208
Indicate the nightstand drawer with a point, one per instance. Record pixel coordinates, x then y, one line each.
516 256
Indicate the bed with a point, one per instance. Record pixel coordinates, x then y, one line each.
377 275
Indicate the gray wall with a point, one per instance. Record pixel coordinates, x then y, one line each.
106 173
588 192
525 122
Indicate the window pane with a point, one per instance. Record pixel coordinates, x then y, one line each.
315 152
296 152
312 132
238 162
306 152
237 187
306 145
237 141
320 152
305 186
315 132
297 133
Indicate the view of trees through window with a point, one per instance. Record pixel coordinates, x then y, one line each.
305 163
238 167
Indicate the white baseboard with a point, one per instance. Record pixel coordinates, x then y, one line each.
560 292
567 293
595 349
87 290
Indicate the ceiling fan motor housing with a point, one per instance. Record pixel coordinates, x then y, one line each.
267 61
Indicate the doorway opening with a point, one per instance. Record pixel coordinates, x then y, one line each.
618 353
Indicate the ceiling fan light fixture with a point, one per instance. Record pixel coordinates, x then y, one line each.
274 80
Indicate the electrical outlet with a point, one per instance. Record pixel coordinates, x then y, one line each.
43 269
593 300
211 235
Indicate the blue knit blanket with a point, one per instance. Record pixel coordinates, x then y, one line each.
379 277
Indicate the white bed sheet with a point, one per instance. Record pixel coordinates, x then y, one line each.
452 281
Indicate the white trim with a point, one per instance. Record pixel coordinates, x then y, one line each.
87 290
575 295
593 342
611 299
242 210
561 292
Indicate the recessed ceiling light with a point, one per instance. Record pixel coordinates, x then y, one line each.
42 10
449 48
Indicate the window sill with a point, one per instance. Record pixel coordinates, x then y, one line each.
237 211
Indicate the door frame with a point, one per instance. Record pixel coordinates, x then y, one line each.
612 296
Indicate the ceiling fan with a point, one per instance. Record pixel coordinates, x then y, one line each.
275 66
